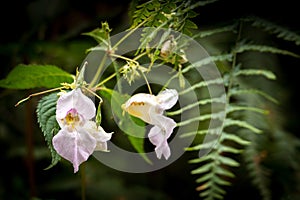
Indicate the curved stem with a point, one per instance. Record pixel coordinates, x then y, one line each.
148 85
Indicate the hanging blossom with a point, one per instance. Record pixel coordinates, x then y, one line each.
79 136
150 109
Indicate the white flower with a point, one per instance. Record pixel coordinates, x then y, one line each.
79 137
150 109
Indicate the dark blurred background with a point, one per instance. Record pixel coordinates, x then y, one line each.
50 32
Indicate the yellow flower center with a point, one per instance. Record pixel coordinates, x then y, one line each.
72 119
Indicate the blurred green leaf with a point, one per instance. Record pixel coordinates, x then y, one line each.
35 76
133 127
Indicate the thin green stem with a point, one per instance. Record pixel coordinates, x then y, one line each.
106 80
148 85
99 70
38 93
139 56
233 66
128 34
117 76
124 58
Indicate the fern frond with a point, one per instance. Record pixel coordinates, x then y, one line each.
242 124
207 60
200 102
261 72
202 84
263 49
274 29
228 28
211 131
234 108
238 92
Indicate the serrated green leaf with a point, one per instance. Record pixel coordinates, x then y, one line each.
46 109
35 76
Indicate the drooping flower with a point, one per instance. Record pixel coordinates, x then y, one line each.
79 136
150 109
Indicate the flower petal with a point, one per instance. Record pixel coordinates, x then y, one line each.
99 134
75 99
74 146
160 133
157 137
166 124
167 98
142 106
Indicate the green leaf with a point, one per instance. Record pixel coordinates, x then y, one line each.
35 76
46 109
101 35
133 127
190 24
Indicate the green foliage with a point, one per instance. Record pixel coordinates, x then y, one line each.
274 29
132 127
155 15
215 168
101 35
167 14
46 109
35 76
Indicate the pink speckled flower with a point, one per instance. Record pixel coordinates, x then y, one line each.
79 136
150 109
